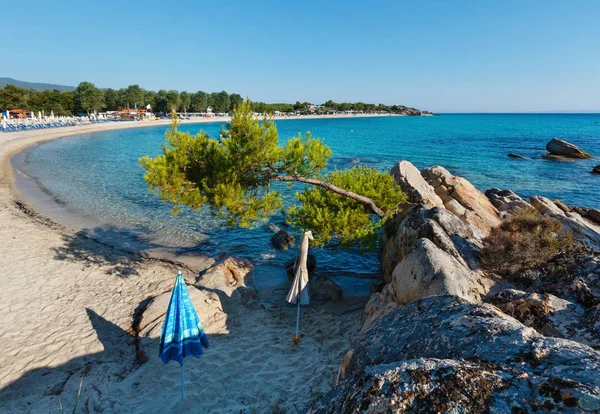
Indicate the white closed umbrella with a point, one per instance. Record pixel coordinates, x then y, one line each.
298 293
7 115
51 114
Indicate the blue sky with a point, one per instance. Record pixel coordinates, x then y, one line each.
445 56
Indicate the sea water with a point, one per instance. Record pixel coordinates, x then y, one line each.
98 176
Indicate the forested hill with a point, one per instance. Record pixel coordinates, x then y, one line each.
34 85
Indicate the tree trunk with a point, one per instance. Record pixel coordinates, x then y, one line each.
367 202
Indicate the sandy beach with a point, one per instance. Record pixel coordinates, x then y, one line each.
67 308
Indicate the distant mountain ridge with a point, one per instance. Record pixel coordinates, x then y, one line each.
34 85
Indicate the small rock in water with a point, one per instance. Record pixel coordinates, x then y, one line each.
518 156
283 239
596 170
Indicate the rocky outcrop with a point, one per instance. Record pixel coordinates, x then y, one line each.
445 354
584 229
506 201
412 183
596 170
428 270
463 199
562 150
428 252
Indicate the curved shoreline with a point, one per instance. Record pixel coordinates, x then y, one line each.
13 143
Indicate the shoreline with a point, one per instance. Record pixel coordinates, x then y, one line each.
67 304
32 137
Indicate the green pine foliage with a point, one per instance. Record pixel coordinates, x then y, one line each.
233 175
332 216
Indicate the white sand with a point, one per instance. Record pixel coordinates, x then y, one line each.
67 305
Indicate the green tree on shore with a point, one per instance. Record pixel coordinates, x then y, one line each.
185 101
235 101
88 98
173 100
199 101
233 176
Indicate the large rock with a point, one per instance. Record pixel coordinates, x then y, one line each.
428 270
444 354
204 302
410 180
463 199
324 289
231 271
506 201
562 149
443 228
379 305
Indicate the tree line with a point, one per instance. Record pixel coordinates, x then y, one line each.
87 98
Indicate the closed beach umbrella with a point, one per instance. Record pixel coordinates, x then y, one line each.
7 115
298 294
182 333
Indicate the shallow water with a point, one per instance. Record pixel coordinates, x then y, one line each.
98 176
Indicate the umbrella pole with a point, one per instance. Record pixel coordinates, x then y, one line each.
298 319
182 384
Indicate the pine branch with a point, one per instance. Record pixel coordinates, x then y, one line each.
367 202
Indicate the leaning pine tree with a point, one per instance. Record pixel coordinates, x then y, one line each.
233 176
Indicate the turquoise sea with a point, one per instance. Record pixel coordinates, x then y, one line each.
98 176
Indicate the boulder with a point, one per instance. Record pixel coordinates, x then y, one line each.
596 170
428 270
410 180
593 214
379 305
506 201
232 271
291 266
463 199
520 157
324 289
204 302
443 228
561 205
563 149
444 354
283 239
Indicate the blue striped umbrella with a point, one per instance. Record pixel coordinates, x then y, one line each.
182 333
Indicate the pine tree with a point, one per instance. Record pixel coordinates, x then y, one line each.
233 176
